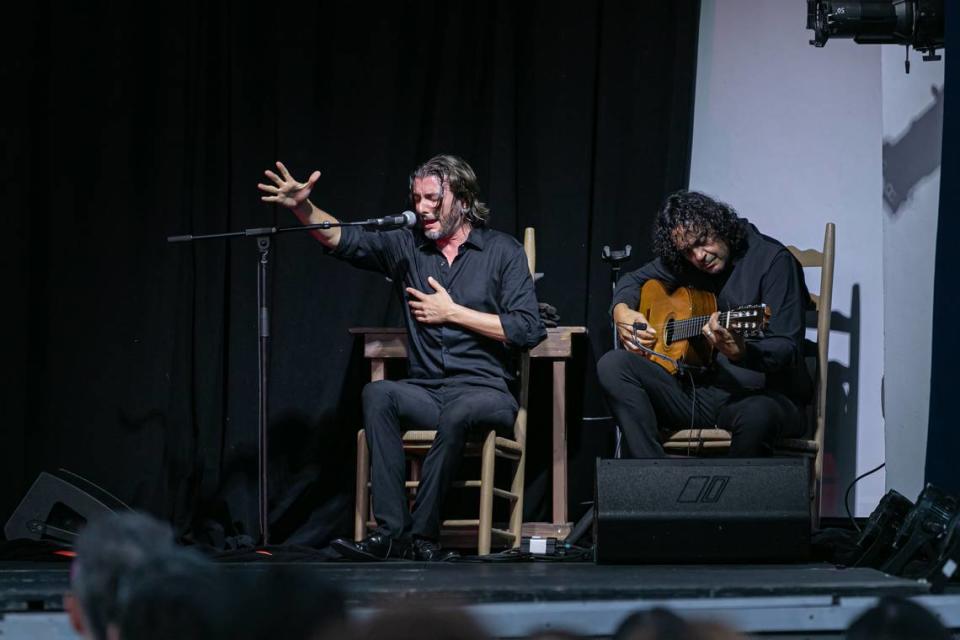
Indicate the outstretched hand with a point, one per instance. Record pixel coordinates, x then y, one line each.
431 308
285 190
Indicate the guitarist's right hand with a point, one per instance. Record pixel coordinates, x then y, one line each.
625 318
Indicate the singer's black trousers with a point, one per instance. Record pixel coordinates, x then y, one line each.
453 409
647 401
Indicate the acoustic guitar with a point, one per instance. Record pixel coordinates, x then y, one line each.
678 317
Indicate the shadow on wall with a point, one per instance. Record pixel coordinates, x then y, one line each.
840 436
914 156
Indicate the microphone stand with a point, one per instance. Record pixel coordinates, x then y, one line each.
263 234
615 258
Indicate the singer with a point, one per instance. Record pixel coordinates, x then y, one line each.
754 387
469 306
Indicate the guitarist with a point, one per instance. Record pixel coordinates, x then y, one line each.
753 387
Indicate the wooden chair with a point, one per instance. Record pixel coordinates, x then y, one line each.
488 447
715 440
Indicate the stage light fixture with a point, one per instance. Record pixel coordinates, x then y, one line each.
912 23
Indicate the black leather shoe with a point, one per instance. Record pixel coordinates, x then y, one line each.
429 551
372 548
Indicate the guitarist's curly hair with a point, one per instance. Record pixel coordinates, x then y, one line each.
700 215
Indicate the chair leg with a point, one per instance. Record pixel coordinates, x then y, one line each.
487 462
815 493
362 505
416 470
516 511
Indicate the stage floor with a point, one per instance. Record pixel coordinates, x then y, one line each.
516 599
547 582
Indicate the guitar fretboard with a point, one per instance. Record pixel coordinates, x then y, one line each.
692 327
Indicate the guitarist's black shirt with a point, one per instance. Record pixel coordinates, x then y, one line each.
765 272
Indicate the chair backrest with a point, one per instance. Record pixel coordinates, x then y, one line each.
823 303
530 248
520 424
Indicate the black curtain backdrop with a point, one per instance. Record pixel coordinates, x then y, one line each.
132 362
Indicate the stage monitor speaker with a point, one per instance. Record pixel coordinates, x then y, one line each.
57 506
702 510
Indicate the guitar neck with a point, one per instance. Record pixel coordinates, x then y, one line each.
692 327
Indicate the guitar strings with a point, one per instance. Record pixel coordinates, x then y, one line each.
691 327
687 327
680 329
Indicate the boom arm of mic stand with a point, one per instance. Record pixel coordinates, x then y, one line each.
256 232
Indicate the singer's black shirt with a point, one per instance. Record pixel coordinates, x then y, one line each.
489 274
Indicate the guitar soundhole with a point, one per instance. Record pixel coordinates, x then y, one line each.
668 333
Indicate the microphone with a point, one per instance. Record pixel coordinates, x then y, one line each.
405 219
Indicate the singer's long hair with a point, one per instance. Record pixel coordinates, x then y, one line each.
701 216
454 172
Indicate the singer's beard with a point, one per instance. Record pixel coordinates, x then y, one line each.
448 224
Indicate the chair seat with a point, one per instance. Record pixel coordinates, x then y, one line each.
420 442
711 434
697 441
418 437
797 445
714 438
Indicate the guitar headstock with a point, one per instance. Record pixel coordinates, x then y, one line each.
749 320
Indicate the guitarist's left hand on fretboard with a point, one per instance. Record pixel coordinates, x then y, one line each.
729 343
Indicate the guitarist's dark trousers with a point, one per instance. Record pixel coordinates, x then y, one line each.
649 403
